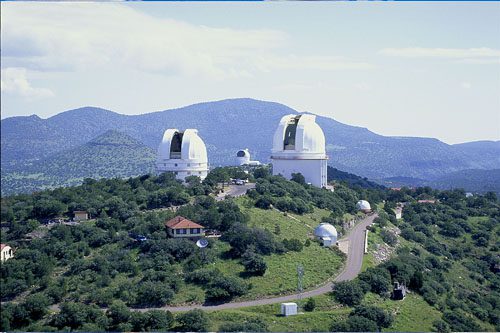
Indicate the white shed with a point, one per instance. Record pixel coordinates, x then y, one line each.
288 309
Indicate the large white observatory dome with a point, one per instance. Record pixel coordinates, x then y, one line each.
183 153
299 135
299 146
363 205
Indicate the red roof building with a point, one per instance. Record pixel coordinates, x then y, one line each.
6 252
182 227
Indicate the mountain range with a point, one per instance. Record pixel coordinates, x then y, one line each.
28 143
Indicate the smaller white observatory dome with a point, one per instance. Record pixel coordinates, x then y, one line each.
326 234
363 206
243 156
183 153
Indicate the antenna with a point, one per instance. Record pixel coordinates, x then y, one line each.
202 244
300 274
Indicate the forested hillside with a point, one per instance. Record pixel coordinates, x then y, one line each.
112 154
89 275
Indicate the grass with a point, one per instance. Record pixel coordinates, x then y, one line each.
320 264
412 314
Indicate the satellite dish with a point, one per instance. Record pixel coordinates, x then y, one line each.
201 243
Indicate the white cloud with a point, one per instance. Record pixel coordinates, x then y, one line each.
69 36
14 81
420 52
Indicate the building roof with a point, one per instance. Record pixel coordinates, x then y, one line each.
185 145
80 212
2 246
325 230
180 222
299 135
426 201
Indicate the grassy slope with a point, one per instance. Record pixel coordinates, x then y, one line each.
320 264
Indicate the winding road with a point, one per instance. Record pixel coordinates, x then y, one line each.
356 238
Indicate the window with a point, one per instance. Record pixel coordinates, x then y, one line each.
180 231
175 164
189 172
195 231
189 164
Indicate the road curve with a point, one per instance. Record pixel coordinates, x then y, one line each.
352 268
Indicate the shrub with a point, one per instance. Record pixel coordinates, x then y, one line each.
310 305
293 244
348 292
389 237
254 263
194 321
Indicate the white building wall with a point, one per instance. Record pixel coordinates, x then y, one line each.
183 169
314 171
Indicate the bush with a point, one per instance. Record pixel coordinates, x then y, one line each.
194 321
249 325
254 263
389 237
355 324
310 305
348 292
293 245
379 316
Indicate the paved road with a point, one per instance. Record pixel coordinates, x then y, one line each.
354 261
235 191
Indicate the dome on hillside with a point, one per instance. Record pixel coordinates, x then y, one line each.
325 230
243 153
363 205
299 134
183 153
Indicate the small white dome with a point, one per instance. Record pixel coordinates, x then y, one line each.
325 230
299 135
363 205
243 153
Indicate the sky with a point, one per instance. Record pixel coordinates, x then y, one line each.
401 69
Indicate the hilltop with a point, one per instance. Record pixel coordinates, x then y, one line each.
112 154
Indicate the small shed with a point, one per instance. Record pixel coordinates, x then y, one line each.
399 291
288 309
80 215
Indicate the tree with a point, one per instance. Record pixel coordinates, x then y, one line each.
194 321
378 315
159 320
389 237
293 244
118 313
379 280
348 292
355 324
36 305
249 325
298 178
254 263
310 305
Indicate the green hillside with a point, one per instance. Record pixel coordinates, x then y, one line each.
112 154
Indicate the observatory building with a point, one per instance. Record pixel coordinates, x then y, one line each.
183 153
363 206
243 158
299 146
326 234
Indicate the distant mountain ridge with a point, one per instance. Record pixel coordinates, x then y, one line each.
112 154
232 124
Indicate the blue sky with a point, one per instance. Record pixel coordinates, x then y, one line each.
415 69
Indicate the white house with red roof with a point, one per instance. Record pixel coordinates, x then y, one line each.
6 252
180 227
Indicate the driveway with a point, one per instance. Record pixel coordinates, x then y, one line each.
356 238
